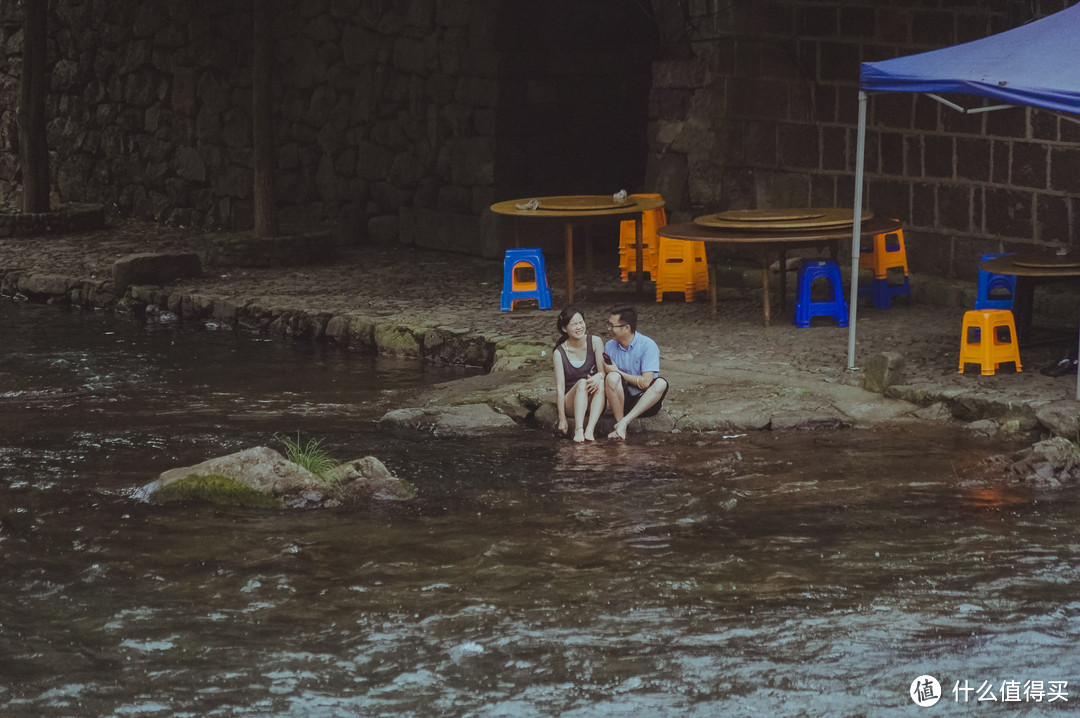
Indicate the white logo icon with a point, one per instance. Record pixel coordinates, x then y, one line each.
925 691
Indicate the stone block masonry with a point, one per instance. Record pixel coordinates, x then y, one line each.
766 114
390 118
150 108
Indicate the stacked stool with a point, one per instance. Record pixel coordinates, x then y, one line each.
805 307
651 221
681 267
515 289
982 343
995 291
886 252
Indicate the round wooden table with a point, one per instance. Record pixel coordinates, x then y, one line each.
1031 269
766 243
582 209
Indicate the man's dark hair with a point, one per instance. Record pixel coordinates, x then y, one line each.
627 315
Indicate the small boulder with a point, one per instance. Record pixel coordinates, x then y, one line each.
984 427
1050 463
368 479
155 268
216 489
937 411
1060 417
261 469
882 371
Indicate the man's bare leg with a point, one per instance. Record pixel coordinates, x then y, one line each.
646 402
614 392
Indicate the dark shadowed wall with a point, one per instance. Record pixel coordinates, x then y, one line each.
764 113
396 120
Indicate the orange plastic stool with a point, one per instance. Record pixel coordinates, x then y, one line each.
681 268
650 222
888 252
981 342
701 269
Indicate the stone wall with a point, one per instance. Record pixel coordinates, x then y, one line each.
150 108
389 116
764 114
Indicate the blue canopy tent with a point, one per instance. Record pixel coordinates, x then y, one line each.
1034 64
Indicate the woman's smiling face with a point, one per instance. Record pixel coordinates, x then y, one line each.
576 328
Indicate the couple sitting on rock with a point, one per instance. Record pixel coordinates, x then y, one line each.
626 377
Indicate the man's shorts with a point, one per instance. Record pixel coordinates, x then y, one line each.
629 401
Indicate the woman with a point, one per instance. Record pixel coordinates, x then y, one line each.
579 376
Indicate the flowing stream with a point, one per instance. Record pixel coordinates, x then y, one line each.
690 575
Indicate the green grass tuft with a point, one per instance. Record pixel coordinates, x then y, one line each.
312 456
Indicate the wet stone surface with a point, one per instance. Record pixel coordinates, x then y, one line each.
727 372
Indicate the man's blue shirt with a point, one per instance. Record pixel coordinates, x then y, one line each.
641 356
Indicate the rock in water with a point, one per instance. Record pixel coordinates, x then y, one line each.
450 422
260 468
366 479
1051 463
214 489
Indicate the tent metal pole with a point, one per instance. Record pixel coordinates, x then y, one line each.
856 231
968 110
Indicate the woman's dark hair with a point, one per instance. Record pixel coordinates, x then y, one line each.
560 323
627 315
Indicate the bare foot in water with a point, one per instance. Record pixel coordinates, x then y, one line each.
619 432
579 435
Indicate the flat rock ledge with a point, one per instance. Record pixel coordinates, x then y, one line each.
155 268
267 474
449 422
67 219
506 356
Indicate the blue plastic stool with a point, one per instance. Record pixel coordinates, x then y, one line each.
990 282
805 307
514 289
881 292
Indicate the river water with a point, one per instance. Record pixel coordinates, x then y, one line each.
766 574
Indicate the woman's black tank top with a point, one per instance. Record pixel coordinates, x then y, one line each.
573 373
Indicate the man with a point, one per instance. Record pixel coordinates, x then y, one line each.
633 385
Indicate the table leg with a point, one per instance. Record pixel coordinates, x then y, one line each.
1022 305
765 284
638 254
783 279
715 251
569 246
1078 377
589 254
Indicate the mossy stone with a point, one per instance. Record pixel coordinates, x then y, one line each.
397 340
214 489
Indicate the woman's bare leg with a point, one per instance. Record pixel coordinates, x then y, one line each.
596 408
577 402
581 406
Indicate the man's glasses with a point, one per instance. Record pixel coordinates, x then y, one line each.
616 326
